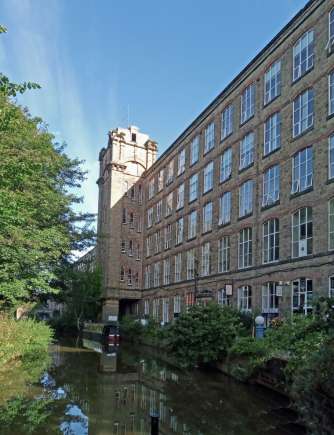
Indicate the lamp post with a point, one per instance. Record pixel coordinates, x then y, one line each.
259 327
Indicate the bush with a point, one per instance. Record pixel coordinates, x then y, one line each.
204 334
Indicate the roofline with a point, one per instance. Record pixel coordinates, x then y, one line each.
208 109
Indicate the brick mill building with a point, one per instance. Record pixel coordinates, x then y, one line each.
240 208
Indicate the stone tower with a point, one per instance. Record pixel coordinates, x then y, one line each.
120 217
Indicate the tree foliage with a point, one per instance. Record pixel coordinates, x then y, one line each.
38 225
204 334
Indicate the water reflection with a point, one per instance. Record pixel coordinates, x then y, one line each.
113 391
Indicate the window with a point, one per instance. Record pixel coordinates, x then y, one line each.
208 177
129 277
146 307
170 172
331 224
246 198
271 241
302 293
168 236
224 254
158 211
272 133
271 186
303 54
156 308
207 217
190 299
123 246
166 265
194 150
193 187
130 251
246 151
124 216
191 264
169 204
192 224
165 310
156 275
178 267
140 194
132 193
138 251
331 157
149 217
331 287
209 137
180 197
181 162
225 209
226 165
151 188
223 298
147 277
157 243
272 82
303 109
270 300
160 180
302 170
245 248
131 220
227 122
139 224
302 232
179 231
206 254
331 24
122 273
247 103
177 305
331 93
133 137
245 298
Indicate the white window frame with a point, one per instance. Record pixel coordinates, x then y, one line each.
181 166
272 133
157 237
158 211
178 267
166 266
193 187
179 231
302 232
150 214
222 297
304 46
192 224
246 150
206 259
194 150
225 165
168 236
165 311
245 298
208 177
207 217
209 137
331 286
245 246
160 180
331 25
272 82
271 186
225 206
151 188
246 198
227 121
146 307
302 170
331 93
169 204
247 103
180 197
301 294
156 274
191 264
170 172
224 247
303 112
331 157
156 309
270 241
177 304
331 224
270 300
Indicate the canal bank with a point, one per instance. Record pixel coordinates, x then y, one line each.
88 392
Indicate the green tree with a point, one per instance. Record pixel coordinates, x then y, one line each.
38 225
204 334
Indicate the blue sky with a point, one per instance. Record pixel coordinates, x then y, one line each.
102 61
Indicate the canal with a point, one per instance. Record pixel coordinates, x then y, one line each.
85 391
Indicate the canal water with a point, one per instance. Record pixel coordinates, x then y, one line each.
88 391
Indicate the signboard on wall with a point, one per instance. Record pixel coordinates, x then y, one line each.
112 318
229 289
